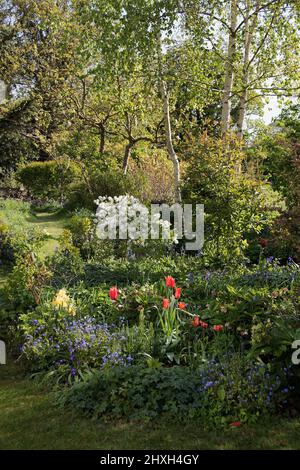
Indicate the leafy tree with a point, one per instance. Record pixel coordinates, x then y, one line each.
257 42
277 151
236 204
129 38
37 61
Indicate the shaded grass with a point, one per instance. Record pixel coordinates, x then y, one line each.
31 420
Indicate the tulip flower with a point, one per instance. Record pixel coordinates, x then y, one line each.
218 327
181 305
196 321
166 304
235 424
170 282
203 324
113 293
177 292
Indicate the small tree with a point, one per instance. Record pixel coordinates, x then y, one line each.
235 204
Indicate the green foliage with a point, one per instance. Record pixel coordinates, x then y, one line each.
134 301
235 203
280 162
66 265
37 63
83 236
141 340
102 180
218 392
239 389
49 179
26 282
137 392
83 233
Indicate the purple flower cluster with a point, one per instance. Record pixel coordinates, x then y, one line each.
253 387
272 274
73 344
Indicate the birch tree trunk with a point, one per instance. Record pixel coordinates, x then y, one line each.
167 123
249 32
3 91
229 70
126 157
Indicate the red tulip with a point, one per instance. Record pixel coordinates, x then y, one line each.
181 305
177 292
166 304
196 321
113 293
218 327
170 281
236 424
263 242
203 324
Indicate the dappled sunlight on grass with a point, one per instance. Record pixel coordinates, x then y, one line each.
21 216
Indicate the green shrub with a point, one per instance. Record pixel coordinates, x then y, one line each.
137 392
218 393
83 233
66 264
102 182
236 203
83 236
49 179
26 282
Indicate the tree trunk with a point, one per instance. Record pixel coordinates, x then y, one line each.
127 156
229 69
102 139
167 123
168 132
249 31
3 91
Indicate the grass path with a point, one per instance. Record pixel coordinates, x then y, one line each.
53 223
31 420
21 217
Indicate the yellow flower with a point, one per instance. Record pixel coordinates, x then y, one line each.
62 300
72 311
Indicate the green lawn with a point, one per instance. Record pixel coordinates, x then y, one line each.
53 223
31 420
21 217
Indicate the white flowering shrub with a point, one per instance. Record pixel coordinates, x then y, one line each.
125 220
